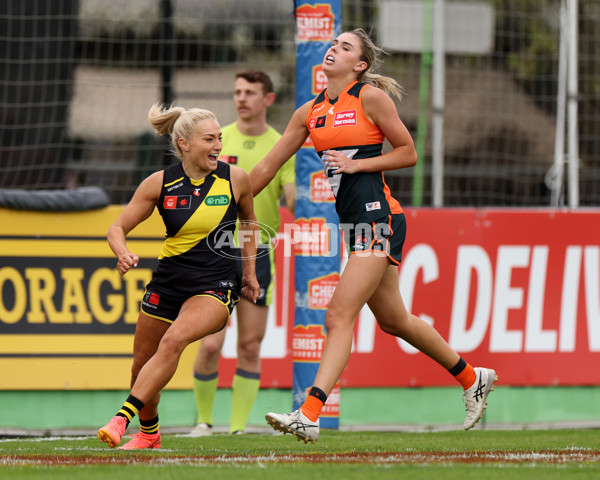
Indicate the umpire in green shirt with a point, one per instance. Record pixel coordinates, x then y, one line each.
245 143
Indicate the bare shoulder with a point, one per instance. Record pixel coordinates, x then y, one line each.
303 109
301 112
152 184
377 104
377 95
154 178
238 174
239 178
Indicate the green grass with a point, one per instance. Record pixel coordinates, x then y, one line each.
347 455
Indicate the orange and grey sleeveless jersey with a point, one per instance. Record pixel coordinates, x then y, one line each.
199 217
340 124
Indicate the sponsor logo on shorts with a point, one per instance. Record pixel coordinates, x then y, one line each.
217 200
342 119
221 295
373 206
360 242
151 300
177 202
226 284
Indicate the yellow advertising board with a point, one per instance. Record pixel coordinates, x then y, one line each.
67 317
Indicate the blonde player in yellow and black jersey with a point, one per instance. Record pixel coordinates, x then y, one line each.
348 123
245 142
194 288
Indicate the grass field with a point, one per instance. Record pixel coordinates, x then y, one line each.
529 454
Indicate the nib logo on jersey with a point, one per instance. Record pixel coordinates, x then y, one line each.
216 200
308 342
320 291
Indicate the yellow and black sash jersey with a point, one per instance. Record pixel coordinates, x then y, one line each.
200 218
340 124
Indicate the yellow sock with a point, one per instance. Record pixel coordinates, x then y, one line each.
205 389
149 426
244 391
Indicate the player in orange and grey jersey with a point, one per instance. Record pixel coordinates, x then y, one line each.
347 124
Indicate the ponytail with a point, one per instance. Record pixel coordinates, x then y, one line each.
177 122
370 55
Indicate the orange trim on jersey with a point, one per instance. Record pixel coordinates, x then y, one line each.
394 204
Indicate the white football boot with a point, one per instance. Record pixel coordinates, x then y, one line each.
296 424
475 397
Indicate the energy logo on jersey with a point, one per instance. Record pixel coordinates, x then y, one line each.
317 122
217 200
176 202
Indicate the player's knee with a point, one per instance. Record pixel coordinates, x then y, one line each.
395 324
172 344
209 349
335 320
249 351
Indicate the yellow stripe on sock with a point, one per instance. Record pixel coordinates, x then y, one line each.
127 414
131 407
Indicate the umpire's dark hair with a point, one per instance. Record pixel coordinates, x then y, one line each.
257 76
